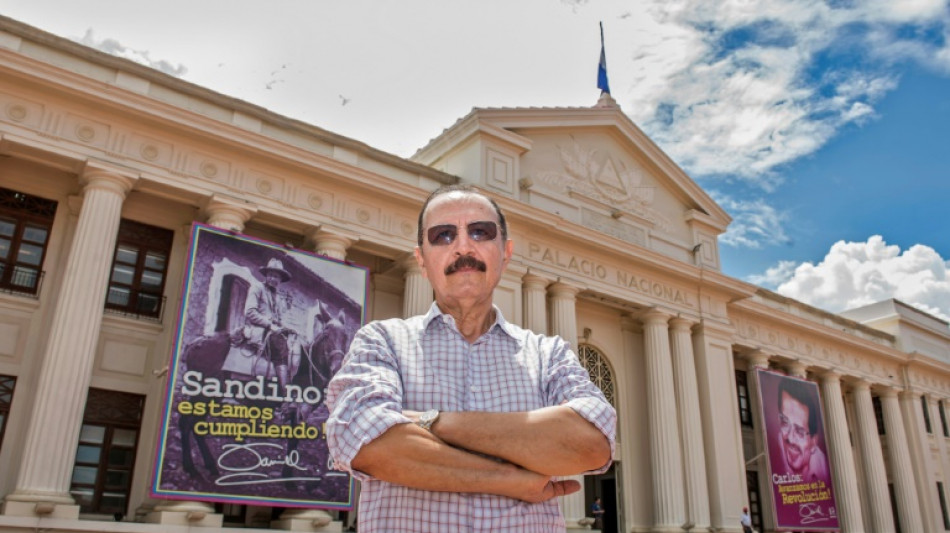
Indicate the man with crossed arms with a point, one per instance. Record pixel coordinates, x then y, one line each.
458 420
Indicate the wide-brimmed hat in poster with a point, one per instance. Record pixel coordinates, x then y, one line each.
262 329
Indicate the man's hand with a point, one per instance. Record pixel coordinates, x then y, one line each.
551 489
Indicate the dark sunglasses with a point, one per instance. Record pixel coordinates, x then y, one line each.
445 234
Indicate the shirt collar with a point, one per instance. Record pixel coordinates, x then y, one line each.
500 322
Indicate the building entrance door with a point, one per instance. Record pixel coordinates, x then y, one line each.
604 486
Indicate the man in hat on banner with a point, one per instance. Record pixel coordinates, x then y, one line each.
264 312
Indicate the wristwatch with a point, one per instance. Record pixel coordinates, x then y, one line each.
428 418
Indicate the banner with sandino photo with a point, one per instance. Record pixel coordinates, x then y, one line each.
799 471
261 330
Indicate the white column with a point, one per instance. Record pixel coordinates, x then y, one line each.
714 355
842 457
231 214
564 323
911 405
760 360
228 213
905 489
691 425
334 245
872 458
535 310
636 489
669 510
417 292
43 482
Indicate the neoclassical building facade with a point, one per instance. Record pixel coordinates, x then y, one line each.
106 164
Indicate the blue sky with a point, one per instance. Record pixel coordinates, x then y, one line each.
889 177
821 127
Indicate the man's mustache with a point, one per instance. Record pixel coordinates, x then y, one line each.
465 261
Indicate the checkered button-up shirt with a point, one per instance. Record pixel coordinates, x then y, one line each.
424 363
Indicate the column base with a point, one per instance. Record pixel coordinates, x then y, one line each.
185 513
581 524
44 509
318 521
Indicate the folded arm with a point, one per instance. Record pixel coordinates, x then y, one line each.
553 441
411 456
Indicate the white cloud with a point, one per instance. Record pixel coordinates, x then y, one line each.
853 274
776 275
114 47
754 224
750 91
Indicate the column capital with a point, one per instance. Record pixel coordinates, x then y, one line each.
829 375
758 359
100 175
797 368
679 323
654 316
861 385
227 212
533 280
561 290
887 392
330 241
326 231
912 393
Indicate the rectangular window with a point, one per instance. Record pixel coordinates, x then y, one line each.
943 505
7 383
25 223
894 511
137 281
755 500
878 414
742 391
943 418
105 457
926 408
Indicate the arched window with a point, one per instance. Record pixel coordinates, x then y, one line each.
599 371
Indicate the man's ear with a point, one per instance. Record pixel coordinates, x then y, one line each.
509 250
417 251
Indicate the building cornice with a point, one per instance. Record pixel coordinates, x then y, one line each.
123 97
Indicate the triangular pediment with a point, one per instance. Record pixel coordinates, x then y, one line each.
605 163
592 166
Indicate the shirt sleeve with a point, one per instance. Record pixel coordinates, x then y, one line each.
364 397
567 383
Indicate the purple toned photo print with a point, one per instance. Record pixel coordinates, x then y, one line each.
261 331
799 471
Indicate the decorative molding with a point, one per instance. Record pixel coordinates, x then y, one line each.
587 174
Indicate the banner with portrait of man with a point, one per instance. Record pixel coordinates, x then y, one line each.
261 330
798 467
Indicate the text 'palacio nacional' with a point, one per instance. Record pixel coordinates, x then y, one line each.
105 165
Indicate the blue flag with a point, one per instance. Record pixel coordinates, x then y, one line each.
602 83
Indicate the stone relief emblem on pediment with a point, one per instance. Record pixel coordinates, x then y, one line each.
585 173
